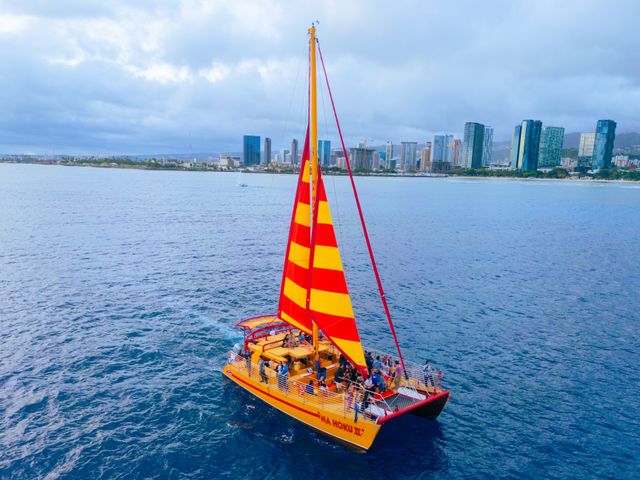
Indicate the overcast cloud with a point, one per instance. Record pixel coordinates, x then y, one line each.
167 76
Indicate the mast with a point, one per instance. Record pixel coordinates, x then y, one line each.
313 157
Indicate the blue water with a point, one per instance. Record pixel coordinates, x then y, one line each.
119 291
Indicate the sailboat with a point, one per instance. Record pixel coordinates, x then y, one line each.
308 360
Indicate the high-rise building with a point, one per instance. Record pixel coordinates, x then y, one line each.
294 152
376 160
361 158
587 142
603 147
425 158
525 145
324 152
388 155
585 151
442 152
551 140
515 146
456 150
487 146
472 145
408 152
250 150
266 156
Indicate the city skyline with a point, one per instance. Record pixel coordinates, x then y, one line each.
184 76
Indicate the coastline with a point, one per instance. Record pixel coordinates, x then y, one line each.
328 172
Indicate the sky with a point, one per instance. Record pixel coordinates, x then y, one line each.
136 77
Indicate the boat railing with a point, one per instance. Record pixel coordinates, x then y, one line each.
415 377
300 392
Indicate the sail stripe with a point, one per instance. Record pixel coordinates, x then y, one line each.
295 292
327 258
299 255
324 214
297 274
333 327
325 235
334 303
303 214
331 280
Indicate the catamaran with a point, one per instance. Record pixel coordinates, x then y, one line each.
308 360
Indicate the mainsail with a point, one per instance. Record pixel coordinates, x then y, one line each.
329 300
294 289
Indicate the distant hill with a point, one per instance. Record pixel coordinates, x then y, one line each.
623 140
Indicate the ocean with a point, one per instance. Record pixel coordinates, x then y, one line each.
120 289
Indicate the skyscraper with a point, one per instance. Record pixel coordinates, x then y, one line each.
587 142
456 150
388 155
487 146
442 152
408 151
472 145
266 157
361 158
551 141
603 148
324 152
425 158
585 151
525 145
294 152
250 150
515 146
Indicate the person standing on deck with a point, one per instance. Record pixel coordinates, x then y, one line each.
398 372
284 375
248 359
338 378
428 374
263 371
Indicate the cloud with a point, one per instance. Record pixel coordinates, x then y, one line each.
121 77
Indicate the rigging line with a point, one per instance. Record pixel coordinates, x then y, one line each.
364 227
295 86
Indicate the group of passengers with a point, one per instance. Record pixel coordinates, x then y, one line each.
291 340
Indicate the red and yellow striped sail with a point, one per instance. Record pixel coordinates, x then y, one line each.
329 300
294 290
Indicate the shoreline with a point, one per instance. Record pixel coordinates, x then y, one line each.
332 173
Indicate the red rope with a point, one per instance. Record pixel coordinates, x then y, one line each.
364 226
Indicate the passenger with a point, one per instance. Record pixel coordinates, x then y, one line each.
386 365
322 373
350 395
368 388
398 374
369 360
338 378
377 363
427 370
310 389
285 341
263 371
323 387
248 359
284 375
343 360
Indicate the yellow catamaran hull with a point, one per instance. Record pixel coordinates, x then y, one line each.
341 427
